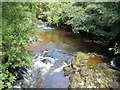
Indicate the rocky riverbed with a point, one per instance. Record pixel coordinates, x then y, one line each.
47 71
55 52
89 70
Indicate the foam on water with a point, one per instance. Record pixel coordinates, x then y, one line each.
47 72
55 52
115 64
44 27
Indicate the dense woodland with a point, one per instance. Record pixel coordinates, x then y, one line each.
18 19
99 19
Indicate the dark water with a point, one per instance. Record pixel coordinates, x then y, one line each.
66 41
56 50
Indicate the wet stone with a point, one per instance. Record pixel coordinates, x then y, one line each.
67 72
95 74
47 72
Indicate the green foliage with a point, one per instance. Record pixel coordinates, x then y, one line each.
52 12
41 9
99 19
56 13
17 21
116 48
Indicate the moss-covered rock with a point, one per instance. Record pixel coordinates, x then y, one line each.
89 71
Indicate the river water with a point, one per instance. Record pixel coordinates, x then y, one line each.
56 50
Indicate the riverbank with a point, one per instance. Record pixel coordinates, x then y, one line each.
87 37
55 51
89 70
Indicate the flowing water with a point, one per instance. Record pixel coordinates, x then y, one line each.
56 50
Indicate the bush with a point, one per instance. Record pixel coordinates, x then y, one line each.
17 22
99 19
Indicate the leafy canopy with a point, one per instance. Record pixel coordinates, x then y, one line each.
99 19
17 22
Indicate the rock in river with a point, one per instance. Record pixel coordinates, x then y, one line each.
85 73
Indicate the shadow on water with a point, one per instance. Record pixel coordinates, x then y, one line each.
66 40
55 51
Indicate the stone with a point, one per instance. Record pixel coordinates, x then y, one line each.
47 53
67 72
91 75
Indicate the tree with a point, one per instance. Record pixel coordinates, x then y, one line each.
17 21
99 19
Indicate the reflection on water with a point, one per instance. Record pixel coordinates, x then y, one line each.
64 40
54 52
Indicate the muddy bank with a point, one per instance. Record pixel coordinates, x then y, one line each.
89 70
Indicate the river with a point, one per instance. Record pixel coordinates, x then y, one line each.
55 50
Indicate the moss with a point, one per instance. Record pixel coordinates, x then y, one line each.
67 68
85 74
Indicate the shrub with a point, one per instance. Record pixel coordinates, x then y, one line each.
17 21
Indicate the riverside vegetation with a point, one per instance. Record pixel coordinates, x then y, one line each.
99 20
17 21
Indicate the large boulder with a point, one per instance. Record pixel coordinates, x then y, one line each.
89 70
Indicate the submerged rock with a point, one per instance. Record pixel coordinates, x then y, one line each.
47 72
85 72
